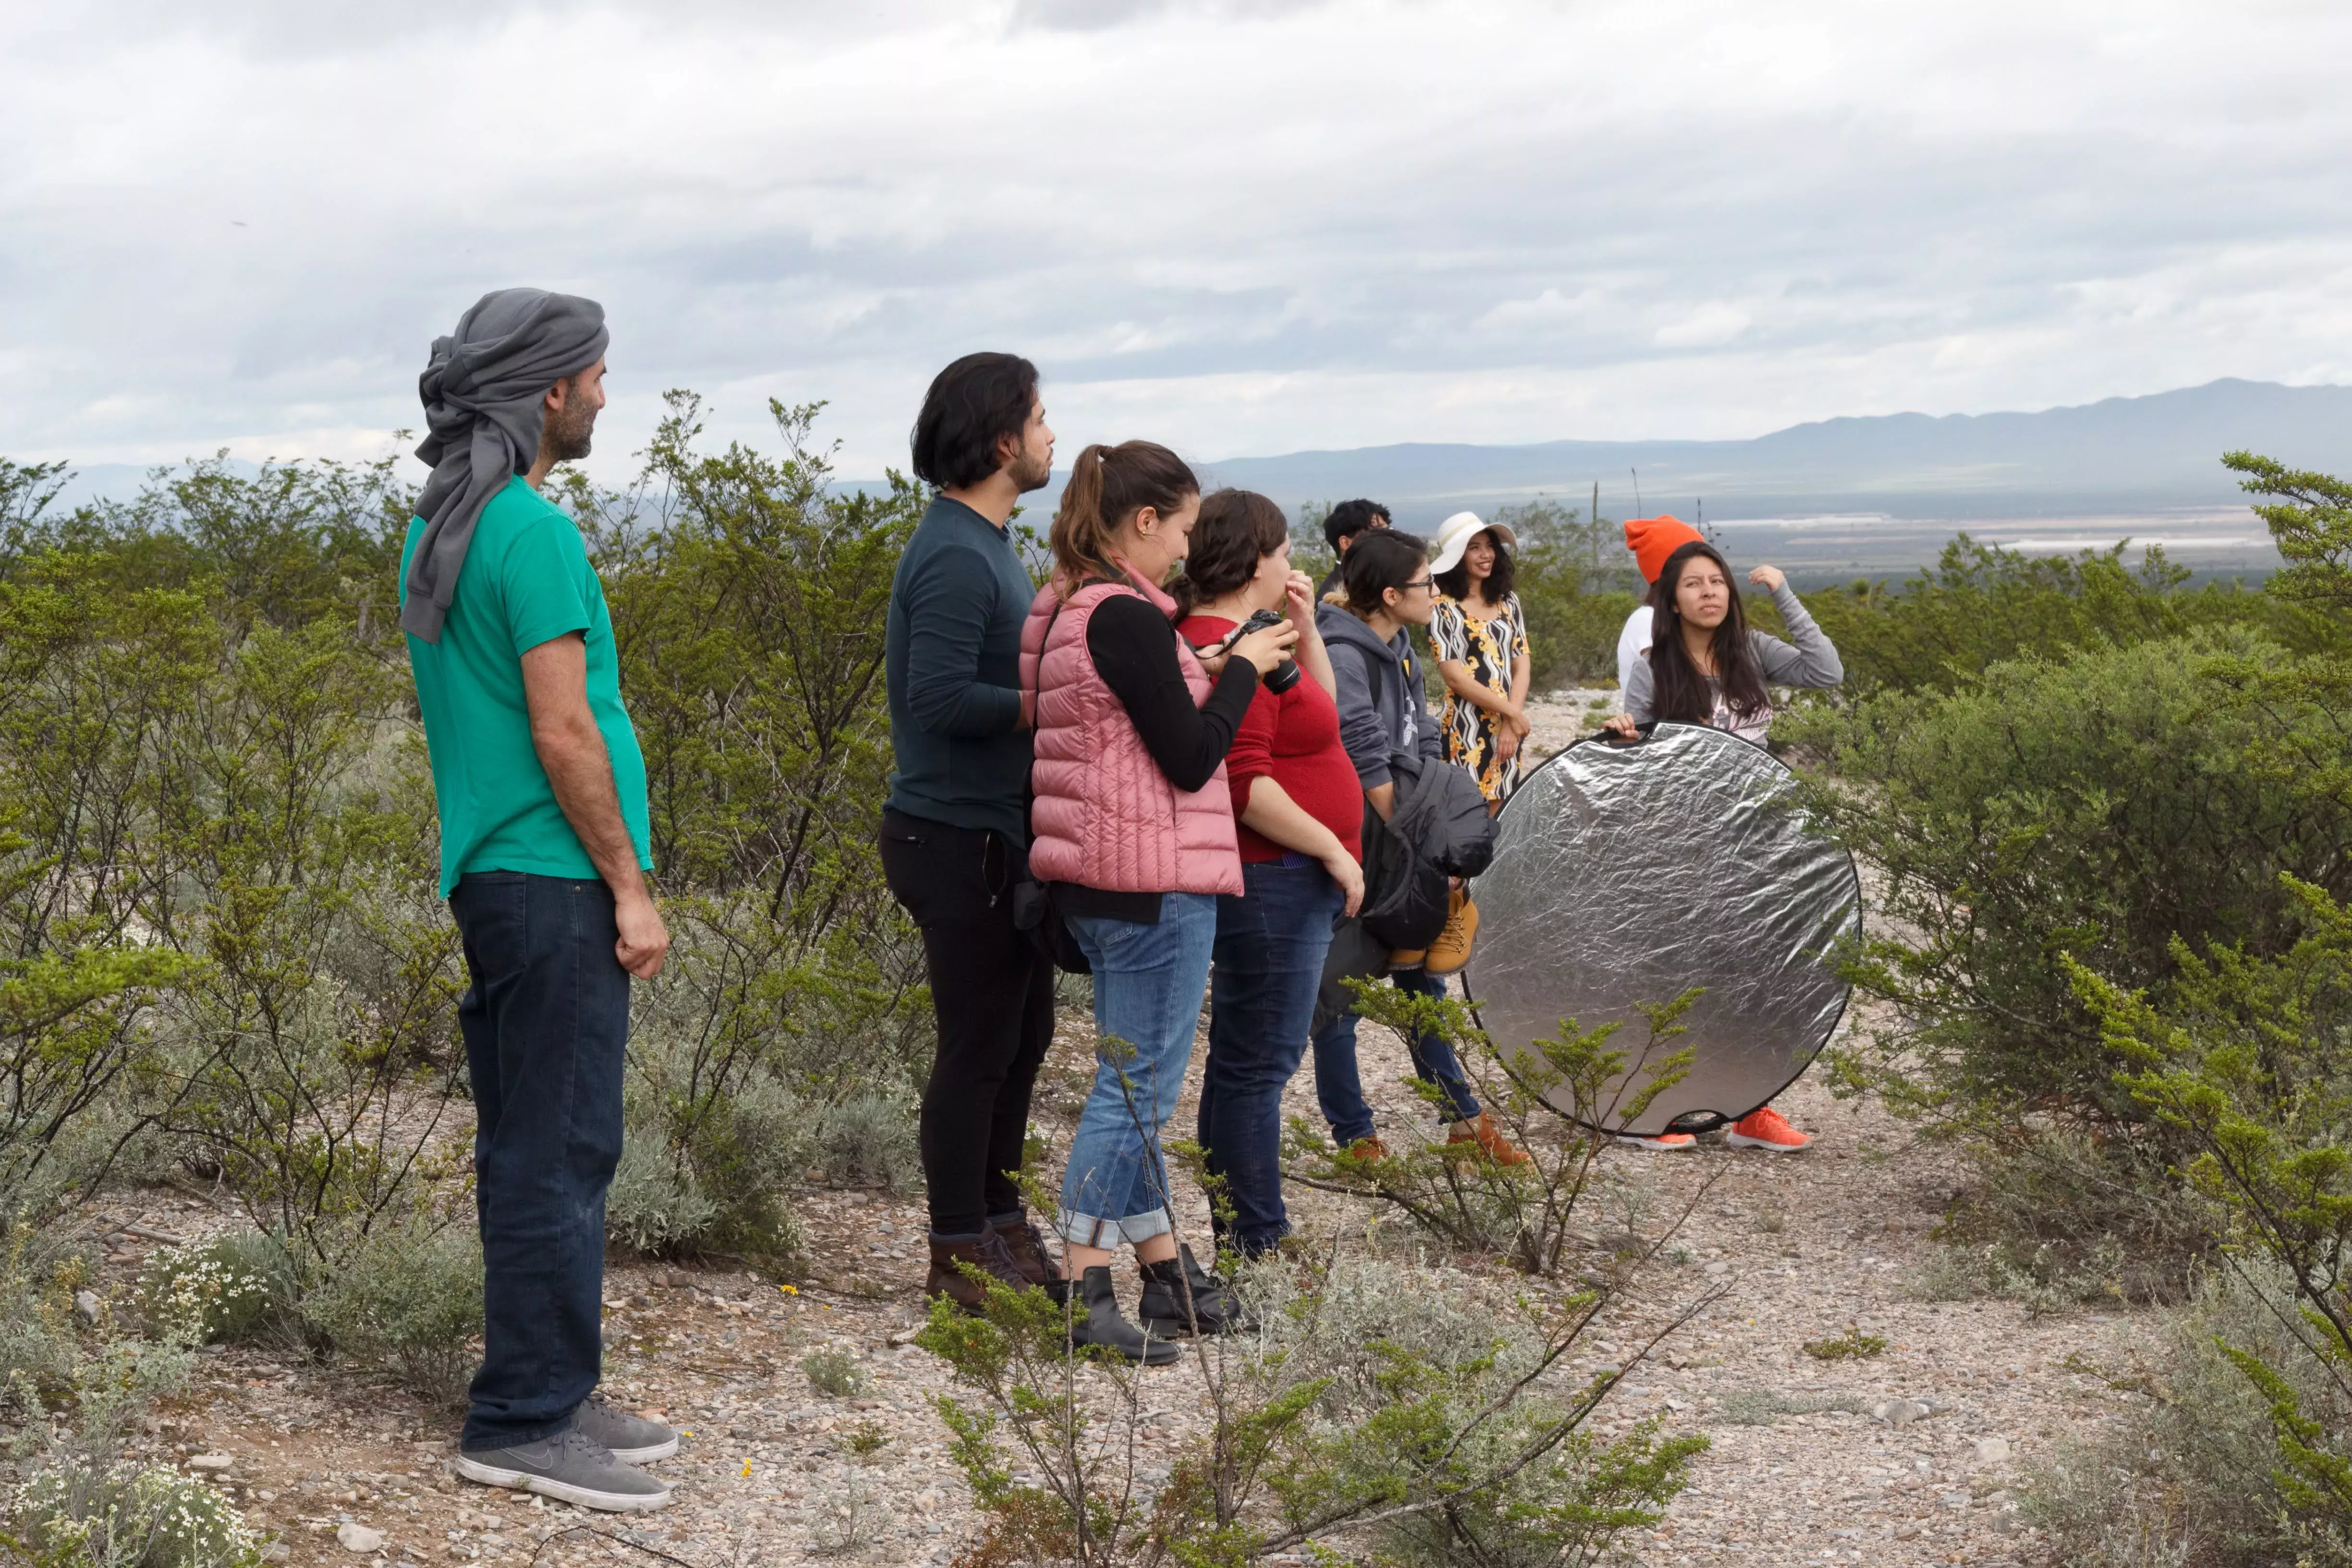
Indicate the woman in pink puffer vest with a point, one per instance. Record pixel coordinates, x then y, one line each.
1133 833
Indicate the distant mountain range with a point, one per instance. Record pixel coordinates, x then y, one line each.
2123 457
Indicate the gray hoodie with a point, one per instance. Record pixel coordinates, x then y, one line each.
1399 720
1812 663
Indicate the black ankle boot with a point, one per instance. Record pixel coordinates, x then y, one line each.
1214 1307
1103 1326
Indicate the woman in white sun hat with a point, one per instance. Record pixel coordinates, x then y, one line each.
1480 634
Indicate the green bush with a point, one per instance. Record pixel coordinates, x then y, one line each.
2094 804
78 1514
1982 605
869 1140
405 1299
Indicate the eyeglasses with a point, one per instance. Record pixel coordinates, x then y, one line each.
1417 582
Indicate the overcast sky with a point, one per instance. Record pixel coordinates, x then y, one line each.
1240 228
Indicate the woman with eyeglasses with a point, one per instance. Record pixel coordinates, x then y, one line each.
1367 626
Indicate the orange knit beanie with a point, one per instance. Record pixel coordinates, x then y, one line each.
1653 540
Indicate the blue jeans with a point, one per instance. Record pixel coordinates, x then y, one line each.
1148 985
545 1021
1340 1091
1269 953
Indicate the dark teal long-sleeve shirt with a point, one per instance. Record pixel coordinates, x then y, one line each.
952 658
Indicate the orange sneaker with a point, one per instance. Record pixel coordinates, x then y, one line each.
1367 1151
1765 1129
1451 948
1489 1138
1657 1140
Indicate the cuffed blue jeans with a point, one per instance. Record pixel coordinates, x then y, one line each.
545 1021
1149 980
1269 961
1339 1090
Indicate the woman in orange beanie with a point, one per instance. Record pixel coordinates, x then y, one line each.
1705 666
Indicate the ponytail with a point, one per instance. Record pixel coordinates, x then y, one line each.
1108 486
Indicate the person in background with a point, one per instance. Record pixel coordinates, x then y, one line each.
1341 525
955 829
1651 539
540 791
1385 591
1480 634
1133 834
1300 813
1705 666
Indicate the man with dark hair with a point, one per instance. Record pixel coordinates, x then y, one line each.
541 794
955 830
1341 523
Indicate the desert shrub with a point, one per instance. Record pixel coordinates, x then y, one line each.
80 1514
2056 1219
712 1137
833 1371
1429 1426
1981 605
1528 1213
2096 804
239 1286
2191 1474
405 1299
71 1387
868 1140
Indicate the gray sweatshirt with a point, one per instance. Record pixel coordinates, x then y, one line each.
1811 662
1399 721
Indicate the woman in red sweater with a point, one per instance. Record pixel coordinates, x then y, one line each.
1299 812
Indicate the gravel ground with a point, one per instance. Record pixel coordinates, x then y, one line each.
1808 1247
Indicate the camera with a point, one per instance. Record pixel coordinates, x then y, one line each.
1284 675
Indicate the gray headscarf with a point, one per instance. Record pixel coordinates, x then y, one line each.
484 394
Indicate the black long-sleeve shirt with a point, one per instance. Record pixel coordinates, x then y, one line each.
1134 649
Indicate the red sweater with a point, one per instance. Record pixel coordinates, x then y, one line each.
1293 740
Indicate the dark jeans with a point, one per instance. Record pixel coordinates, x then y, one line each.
1269 960
1340 1091
546 1022
992 996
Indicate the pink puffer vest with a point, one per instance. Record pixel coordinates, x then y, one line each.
1105 816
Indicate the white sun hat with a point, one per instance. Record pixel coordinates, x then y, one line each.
1455 534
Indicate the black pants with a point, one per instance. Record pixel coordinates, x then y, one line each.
992 994
546 1022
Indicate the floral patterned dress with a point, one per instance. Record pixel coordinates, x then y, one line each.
1490 647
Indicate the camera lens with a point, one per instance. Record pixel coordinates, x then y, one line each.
1284 677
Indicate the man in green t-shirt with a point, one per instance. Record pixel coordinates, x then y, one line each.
541 794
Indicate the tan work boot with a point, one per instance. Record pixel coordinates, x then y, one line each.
1451 948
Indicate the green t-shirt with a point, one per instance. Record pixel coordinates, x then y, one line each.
526 581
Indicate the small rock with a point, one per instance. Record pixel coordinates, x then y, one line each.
1906 1532
276 1551
1991 1450
213 1462
359 1538
1717 1267
86 1306
1899 1412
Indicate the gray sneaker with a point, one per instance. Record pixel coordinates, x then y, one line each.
633 1439
570 1467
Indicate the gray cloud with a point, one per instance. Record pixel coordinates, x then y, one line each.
1239 227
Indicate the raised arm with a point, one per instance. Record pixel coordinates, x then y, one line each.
1809 659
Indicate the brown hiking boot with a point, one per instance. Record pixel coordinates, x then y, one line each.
986 1252
1026 1243
1489 1139
1367 1151
1451 948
